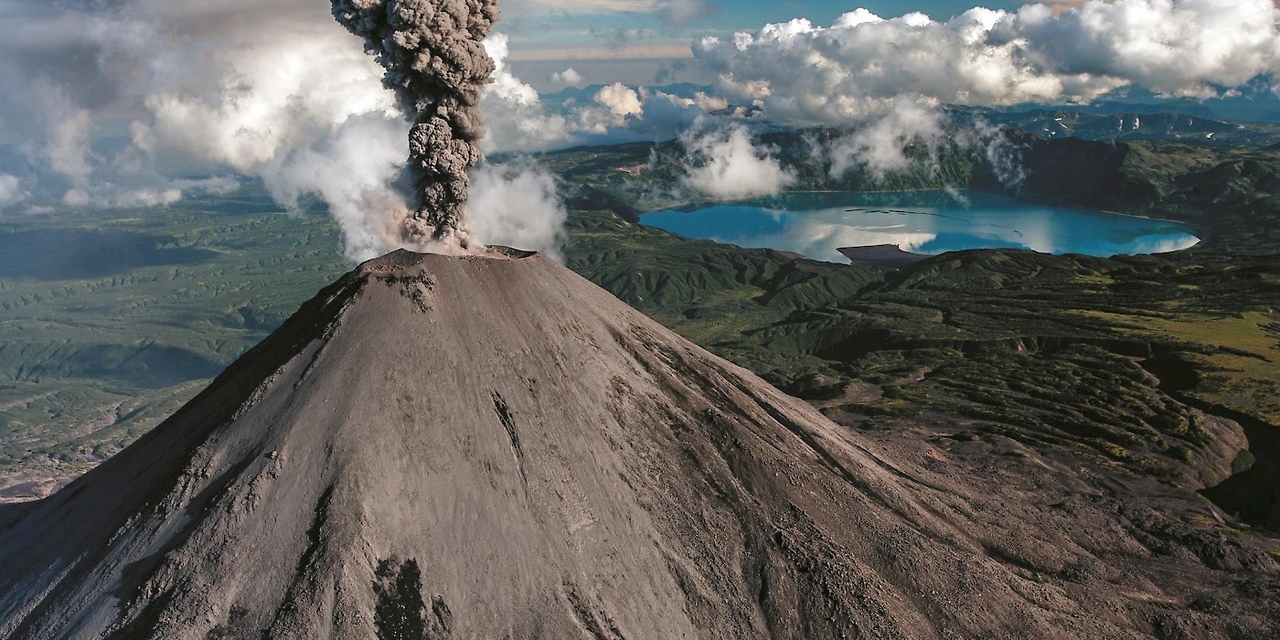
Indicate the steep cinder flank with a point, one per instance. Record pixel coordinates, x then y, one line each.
504 450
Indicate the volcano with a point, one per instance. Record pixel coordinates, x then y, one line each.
491 446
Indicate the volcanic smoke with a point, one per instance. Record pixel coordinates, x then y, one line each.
436 63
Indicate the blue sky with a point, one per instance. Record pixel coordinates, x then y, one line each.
550 29
277 89
628 41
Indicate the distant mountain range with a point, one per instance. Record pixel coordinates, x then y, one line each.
1125 125
1252 118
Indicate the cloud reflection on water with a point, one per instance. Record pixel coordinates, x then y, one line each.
818 224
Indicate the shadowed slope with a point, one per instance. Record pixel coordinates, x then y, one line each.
490 446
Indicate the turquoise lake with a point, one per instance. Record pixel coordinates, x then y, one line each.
927 222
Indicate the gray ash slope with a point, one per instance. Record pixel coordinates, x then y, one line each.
493 447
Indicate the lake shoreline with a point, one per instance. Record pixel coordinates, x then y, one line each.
886 256
924 222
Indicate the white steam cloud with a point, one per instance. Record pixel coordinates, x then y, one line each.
517 205
910 137
859 66
1003 155
351 170
11 191
727 164
514 114
880 147
274 90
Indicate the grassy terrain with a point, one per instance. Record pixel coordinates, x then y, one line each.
1045 348
109 321
1119 361
1239 360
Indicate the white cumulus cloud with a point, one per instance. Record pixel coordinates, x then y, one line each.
11 191
515 118
858 66
620 100
567 78
728 164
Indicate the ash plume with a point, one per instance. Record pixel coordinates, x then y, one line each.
435 63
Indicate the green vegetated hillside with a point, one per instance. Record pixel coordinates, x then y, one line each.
1178 180
1125 126
1054 351
1118 361
1122 363
1231 194
109 321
